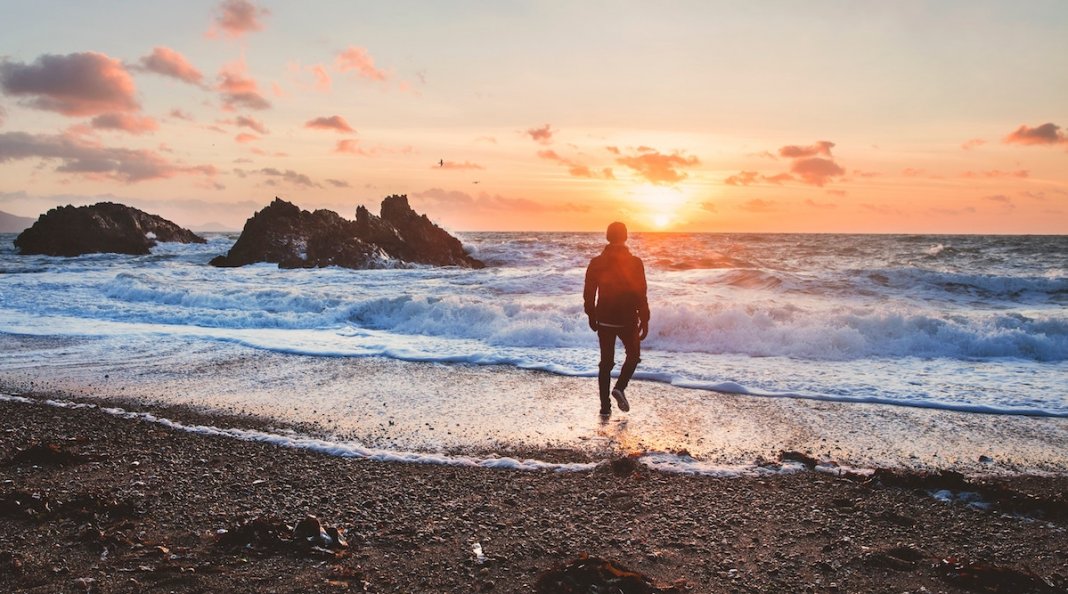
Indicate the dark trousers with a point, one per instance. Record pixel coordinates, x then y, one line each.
607 337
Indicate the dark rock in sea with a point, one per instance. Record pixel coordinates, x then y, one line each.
284 234
104 227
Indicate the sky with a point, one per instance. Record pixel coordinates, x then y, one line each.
821 116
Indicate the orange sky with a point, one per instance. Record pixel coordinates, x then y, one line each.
943 117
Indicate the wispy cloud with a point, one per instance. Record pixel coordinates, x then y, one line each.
240 90
1046 134
323 81
80 84
574 168
996 173
235 18
251 123
494 202
335 123
656 167
358 60
94 161
972 143
543 135
167 62
820 147
124 122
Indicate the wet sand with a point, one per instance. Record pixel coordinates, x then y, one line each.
476 410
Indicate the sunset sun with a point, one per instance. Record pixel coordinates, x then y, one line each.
661 204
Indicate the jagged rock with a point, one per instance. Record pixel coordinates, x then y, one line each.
284 234
104 227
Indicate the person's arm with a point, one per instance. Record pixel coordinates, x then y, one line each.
589 296
643 303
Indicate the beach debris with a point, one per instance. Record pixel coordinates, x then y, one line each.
588 574
982 495
312 531
900 557
625 465
11 562
981 576
46 454
480 557
793 456
269 534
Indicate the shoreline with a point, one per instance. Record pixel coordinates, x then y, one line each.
480 411
143 487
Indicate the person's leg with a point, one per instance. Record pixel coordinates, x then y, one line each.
633 346
607 339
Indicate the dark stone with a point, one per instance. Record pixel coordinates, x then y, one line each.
284 234
104 227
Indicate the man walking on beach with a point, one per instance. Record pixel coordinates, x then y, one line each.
617 306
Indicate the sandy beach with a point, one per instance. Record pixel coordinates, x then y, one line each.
106 503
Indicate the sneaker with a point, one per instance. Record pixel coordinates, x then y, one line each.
606 412
621 399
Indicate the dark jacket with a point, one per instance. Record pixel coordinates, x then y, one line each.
616 279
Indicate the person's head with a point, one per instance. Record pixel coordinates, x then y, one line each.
617 233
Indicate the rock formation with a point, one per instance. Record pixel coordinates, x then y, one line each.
102 227
293 238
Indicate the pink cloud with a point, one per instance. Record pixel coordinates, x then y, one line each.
779 179
912 172
820 205
167 62
743 178
859 173
973 143
658 168
179 114
544 135
1002 198
996 173
456 165
323 81
821 147
453 198
251 124
816 171
335 123
234 18
289 176
124 122
238 89
1048 133
575 169
93 161
80 84
353 147
357 59
758 205
246 138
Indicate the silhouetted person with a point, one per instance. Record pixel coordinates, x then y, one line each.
617 306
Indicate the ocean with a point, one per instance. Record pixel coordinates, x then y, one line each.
964 323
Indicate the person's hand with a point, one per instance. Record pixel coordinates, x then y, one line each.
643 330
593 323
